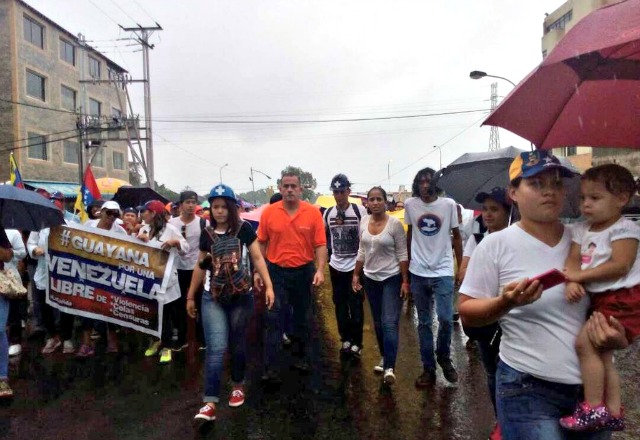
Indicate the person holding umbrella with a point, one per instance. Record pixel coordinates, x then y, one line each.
538 377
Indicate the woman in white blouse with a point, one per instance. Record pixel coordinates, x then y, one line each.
383 255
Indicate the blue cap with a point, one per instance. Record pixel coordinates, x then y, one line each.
497 194
224 191
530 163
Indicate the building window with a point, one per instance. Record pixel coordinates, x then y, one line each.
67 52
37 146
560 23
35 85
118 160
571 151
94 68
70 153
33 32
98 159
68 98
95 107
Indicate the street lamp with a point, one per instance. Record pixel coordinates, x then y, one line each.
223 166
253 187
389 173
440 151
477 74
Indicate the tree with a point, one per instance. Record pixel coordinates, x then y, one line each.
135 177
306 180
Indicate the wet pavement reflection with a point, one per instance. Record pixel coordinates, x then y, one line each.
127 396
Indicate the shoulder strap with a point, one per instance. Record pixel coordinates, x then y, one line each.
239 227
326 215
203 224
357 211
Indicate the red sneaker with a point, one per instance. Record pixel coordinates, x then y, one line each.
587 418
496 434
237 396
207 414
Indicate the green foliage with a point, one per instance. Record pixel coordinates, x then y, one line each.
258 197
166 192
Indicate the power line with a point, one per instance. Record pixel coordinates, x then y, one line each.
317 121
38 106
103 12
35 137
125 12
143 10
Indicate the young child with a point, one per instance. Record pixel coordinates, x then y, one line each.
603 262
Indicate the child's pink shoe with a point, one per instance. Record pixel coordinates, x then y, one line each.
587 418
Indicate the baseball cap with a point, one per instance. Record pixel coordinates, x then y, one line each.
498 194
530 163
340 181
57 195
188 195
154 206
127 210
110 205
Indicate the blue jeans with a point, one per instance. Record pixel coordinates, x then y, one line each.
530 408
386 305
424 291
224 325
292 287
4 341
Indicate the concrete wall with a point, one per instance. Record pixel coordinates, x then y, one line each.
47 63
6 88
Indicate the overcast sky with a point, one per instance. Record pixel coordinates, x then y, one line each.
315 60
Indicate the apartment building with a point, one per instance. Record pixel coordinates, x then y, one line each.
555 26
43 95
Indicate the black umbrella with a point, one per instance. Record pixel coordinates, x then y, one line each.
473 173
27 210
131 197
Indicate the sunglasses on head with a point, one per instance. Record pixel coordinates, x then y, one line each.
112 213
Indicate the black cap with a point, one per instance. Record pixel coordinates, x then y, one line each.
497 194
340 181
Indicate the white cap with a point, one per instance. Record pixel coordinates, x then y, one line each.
110 205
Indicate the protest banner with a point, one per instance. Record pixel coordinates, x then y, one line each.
108 276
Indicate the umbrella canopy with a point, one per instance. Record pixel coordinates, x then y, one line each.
27 210
587 90
130 197
109 185
473 173
327 201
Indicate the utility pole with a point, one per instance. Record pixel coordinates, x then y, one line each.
142 36
494 136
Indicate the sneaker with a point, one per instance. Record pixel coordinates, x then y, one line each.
5 390
586 418
85 351
67 347
389 378
237 396
615 423
379 368
355 351
496 434
448 370
180 347
427 378
206 414
346 347
286 341
153 349
51 345
95 334
15 350
165 356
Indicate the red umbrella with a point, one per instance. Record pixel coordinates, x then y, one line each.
587 91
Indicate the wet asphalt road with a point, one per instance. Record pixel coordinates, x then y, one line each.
126 396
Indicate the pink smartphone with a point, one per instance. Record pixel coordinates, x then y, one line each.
550 278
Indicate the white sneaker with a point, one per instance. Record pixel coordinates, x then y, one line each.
389 378
15 349
67 347
346 346
379 368
355 351
286 341
51 345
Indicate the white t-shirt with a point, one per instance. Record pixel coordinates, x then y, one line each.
382 253
470 246
538 338
193 231
431 252
595 248
344 236
115 227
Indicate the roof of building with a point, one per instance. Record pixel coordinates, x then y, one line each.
71 36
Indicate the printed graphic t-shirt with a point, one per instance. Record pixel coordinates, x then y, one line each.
344 233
